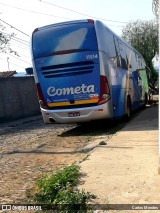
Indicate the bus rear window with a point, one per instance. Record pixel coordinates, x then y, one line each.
57 39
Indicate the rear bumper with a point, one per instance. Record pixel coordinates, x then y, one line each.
86 114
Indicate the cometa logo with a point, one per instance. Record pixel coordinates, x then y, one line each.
52 91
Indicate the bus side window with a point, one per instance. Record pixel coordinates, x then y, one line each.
112 47
118 63
129 58
123 58
133 61
141 64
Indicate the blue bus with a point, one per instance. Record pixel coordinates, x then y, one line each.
83 72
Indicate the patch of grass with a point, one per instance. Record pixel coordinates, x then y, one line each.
85 158
60 189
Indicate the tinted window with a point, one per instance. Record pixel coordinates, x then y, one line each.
117 50
123 55
80 36
111 45
141 63
113 48
133 62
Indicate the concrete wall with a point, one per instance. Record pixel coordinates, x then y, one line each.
18 98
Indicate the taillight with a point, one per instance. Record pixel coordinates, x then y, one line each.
40 97
90 21
104 90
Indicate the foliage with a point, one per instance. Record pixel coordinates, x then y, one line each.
143 36
59 189
5 39
155 8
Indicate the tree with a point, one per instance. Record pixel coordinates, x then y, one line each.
155 8
143 36
5 39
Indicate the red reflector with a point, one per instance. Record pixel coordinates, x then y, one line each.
104 90
90 21
40 97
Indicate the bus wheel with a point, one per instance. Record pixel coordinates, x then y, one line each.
128 110
146 99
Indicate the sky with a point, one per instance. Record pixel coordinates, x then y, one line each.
26 15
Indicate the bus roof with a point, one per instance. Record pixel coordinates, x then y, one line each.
65 23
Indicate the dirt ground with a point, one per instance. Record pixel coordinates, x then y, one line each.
30 149
129 163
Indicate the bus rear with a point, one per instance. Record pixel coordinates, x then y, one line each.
67 72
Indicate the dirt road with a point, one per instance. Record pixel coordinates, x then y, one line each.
125 171
29 148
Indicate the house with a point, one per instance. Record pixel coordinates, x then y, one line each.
7 74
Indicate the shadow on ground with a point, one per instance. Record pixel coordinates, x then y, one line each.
108 127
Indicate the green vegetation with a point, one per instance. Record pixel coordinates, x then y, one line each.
143 35
60 189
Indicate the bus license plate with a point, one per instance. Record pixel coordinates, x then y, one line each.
73 114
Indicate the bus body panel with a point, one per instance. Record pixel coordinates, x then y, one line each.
122 60
85 114
69 78
116 75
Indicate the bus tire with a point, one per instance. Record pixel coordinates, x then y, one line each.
128 109
146 99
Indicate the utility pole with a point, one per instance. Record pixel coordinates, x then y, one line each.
155 9
8 63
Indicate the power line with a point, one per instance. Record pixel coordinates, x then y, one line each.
20 46
74 11
17 65
14 27
26 56
32 11
20 42
19 59
46 14
21 39
15 37
14 42
12 63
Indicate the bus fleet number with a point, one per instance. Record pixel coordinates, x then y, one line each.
91 56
